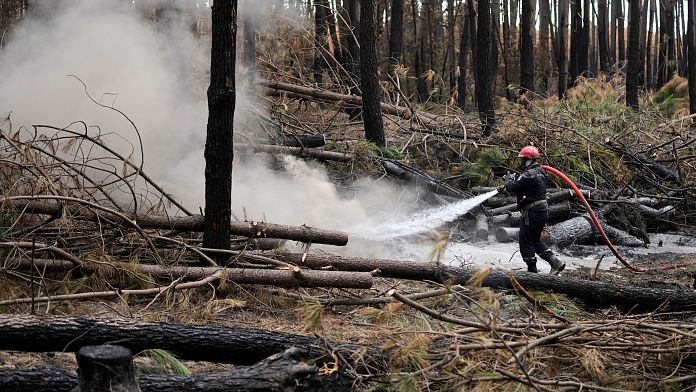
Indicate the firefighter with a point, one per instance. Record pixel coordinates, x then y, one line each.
530 189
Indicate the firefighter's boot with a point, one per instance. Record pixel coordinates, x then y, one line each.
556 265
531 264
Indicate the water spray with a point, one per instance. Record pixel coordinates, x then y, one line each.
611 246
422 221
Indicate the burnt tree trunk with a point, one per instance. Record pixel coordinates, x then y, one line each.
396 33
642 42
369 76
199 342
484 79
527 45
290 278
464 38
473 39
321 36
620 32
218 145
691 31
451 59
544 45
602 33
562 52
282 372
634 61
420 62
195 222
106 368
602 294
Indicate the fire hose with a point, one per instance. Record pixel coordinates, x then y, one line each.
594 219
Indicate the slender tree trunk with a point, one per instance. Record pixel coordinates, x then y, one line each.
575 31
249 49
463 49
396 33
584 40
484 82
421 86
652 45
603 41
691 39
620 30
562 53
473 38
544 46
452 61
321 37
613 34
634 61
527 45
663 57
643 42
218 145
671 40
369 77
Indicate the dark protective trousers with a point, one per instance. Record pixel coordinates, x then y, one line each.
533 222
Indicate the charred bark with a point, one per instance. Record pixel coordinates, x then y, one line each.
274 277
283 372
241 346
691 42
218 145
106 368
306 141
396 33
484 78
635 63
562 52
464 37
369 77
194 223
527 45
601 294
321 155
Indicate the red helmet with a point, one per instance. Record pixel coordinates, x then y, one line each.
529 152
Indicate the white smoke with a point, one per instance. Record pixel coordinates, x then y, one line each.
158 77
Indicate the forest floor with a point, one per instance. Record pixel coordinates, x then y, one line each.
607 349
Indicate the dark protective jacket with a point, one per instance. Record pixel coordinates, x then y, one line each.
530 186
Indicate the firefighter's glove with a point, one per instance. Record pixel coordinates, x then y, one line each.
501 188
509 177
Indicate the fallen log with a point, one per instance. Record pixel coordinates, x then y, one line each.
356 100
580 230
552 197
185 223
557 211
415 176
305 141
321 155
283 372
507 234
595 293
275 277
200 342
482 226
563 237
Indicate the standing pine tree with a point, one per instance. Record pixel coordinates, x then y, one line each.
635 63
527 45
369 76
218 144
484 79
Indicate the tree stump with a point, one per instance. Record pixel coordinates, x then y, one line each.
106 369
